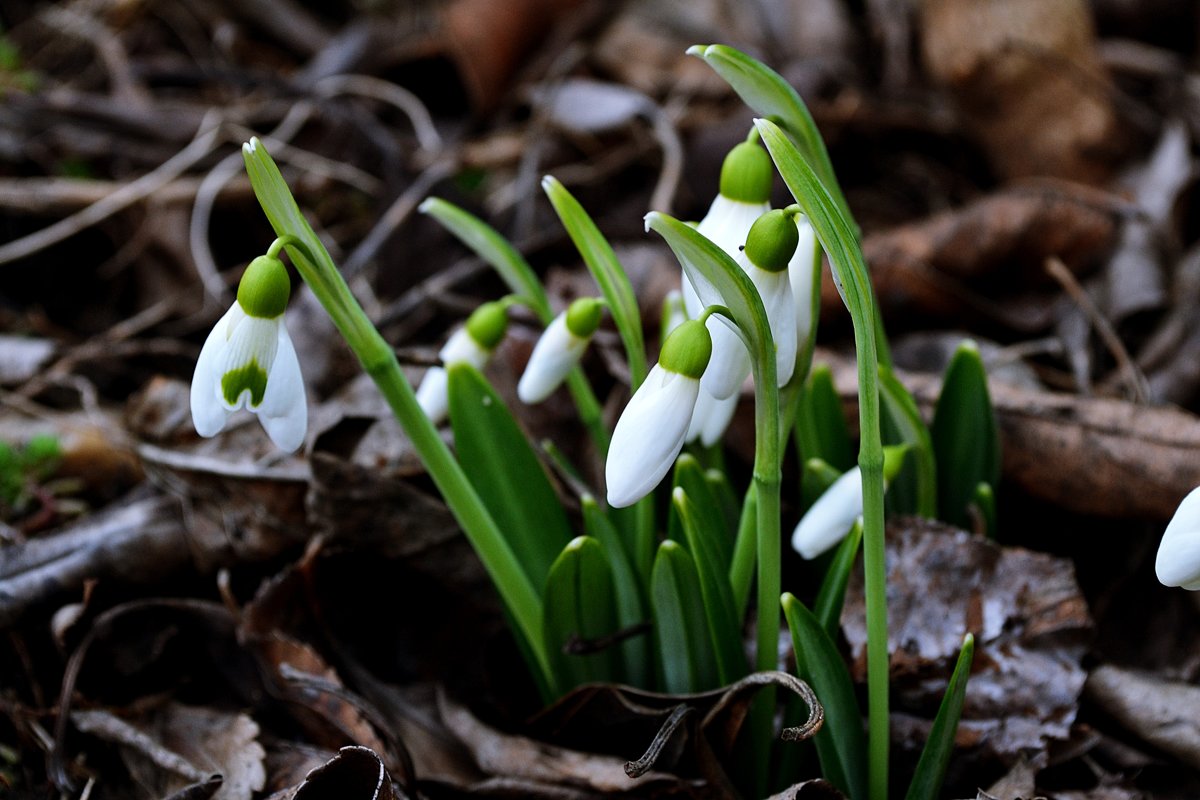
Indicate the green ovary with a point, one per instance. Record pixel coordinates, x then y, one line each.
251 378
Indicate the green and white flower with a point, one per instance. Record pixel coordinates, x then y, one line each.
472 344
770 247
248 361
651 430
835 512
559 349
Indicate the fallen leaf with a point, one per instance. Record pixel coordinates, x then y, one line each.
1163 713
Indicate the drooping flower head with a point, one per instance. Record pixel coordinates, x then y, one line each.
804 275
1178 561
650 432
744 196
248 361
834 513
559 349
770 247
472 344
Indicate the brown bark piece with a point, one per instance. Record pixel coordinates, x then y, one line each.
1026 76
925 267
1094 456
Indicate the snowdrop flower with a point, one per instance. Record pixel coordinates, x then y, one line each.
770 247
834 513
744 196
802 272
558 349
649 434
472 344
1178 562
711 418
248 361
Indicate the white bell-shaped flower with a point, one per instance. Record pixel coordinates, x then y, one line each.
744 196
248 361
835 512
559 349
1178 561
650 432
770 247
472 344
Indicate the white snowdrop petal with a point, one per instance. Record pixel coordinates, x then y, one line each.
461 348
776 293
208 413
1178 560
800 275
433 395
726 225
649 435
251 340
284 409
711 418
730 361
831 517
557 351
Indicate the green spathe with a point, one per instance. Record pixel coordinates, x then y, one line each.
746 174
248 378
687 350
583 316
772 241
265 288
488 324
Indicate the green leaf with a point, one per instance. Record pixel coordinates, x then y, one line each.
506 473
769 95
606 271
745 553
632 606
931 768
580 605
493 248
840 744
827 607
821 430
705 541
965 441
680 627
914 490
731 508
691 477
816 478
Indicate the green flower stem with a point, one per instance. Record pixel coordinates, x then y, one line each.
836 233
316 267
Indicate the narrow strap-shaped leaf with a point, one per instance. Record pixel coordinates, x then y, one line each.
731 508
827 607
769 95
745 552
506 473
965 440
984 500
680 627
488 244
931 768
703 539
840 744
632 607
821 429
579 596
918 477
691 477
606 271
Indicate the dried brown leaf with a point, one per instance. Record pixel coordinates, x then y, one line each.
1030 624
1163 713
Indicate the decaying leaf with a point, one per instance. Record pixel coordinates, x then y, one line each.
355 773
175 746
952 263
1164 713
1030 622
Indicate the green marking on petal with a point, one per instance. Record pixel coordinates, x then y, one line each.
251 378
